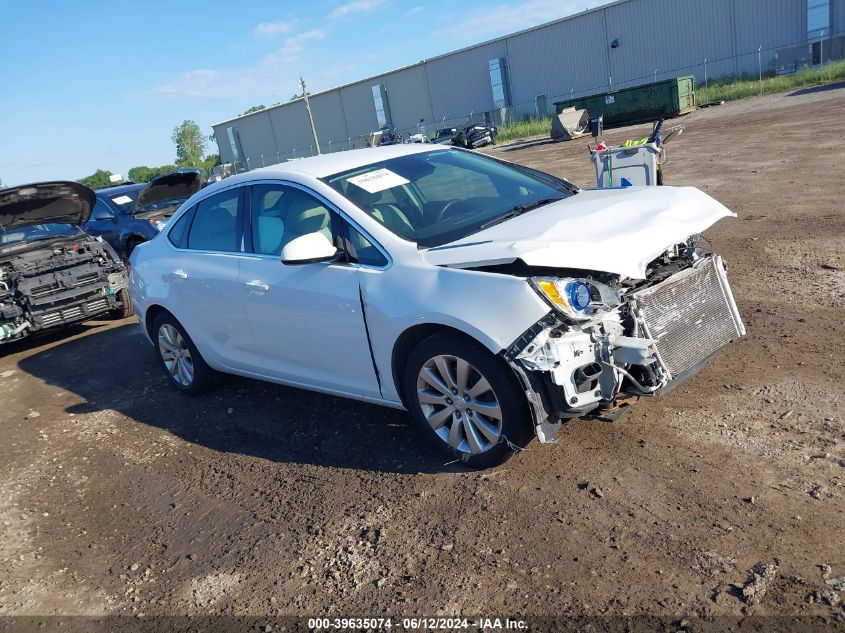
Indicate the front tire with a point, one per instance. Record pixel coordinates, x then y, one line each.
125 310
182 363
466 401
130 246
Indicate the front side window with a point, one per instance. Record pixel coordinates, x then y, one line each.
281 213
360 250
437 197
215 225
101 211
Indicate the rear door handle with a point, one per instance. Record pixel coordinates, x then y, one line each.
257 285
179 274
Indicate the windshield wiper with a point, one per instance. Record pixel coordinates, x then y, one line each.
518 210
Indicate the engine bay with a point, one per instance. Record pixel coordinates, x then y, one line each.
45 284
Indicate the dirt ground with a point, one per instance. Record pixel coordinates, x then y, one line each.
120 496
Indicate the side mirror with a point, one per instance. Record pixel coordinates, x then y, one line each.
102 212
308 249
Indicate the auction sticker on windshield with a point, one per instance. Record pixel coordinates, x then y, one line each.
121 199
378 180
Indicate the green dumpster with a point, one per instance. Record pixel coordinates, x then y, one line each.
642 103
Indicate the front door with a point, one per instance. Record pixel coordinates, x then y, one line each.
306 320
103 223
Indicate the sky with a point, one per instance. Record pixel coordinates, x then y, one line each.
101 84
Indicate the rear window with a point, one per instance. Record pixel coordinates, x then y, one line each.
215 225
176 235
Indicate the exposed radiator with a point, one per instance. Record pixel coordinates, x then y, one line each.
75 313
690 315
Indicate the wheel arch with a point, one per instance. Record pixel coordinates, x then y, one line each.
152 313
411 337
131 238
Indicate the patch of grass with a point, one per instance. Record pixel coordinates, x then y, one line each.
529 126
733 88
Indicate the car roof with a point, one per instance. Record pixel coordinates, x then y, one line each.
327 164
119 189
337 162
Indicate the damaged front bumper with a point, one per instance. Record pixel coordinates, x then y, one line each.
58 285
660 335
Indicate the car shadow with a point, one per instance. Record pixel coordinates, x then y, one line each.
116 369
814 89
520 145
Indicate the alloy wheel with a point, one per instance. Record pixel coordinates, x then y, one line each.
459 404
176 355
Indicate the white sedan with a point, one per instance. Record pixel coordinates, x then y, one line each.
492 301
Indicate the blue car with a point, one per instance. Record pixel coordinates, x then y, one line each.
128 215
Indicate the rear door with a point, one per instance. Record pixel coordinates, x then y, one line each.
307 320
204 281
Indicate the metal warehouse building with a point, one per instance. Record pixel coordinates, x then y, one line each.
621 44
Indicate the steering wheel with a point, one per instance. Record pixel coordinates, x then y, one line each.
448 210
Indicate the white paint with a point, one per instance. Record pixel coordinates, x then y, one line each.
308 328
611 230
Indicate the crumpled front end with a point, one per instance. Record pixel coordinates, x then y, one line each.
636 338
65 282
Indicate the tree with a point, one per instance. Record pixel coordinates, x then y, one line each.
142 173
212 160
190 144
256 108
98 180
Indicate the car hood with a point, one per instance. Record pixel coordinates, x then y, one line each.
175 185
58 202
618 231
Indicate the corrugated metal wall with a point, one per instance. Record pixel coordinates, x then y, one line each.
460 83
573 60
668 36
657 39
770 24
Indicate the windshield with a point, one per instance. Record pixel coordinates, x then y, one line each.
124 201
437 197
35 232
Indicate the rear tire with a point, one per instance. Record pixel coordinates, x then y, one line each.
182 363
466 401
126 310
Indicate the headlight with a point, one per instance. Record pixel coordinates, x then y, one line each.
158 224
578 299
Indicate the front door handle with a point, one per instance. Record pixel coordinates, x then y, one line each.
179 274
257 285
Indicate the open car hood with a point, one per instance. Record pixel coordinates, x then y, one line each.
58 202
179 185
618 231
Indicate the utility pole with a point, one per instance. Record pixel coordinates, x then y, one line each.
310 117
